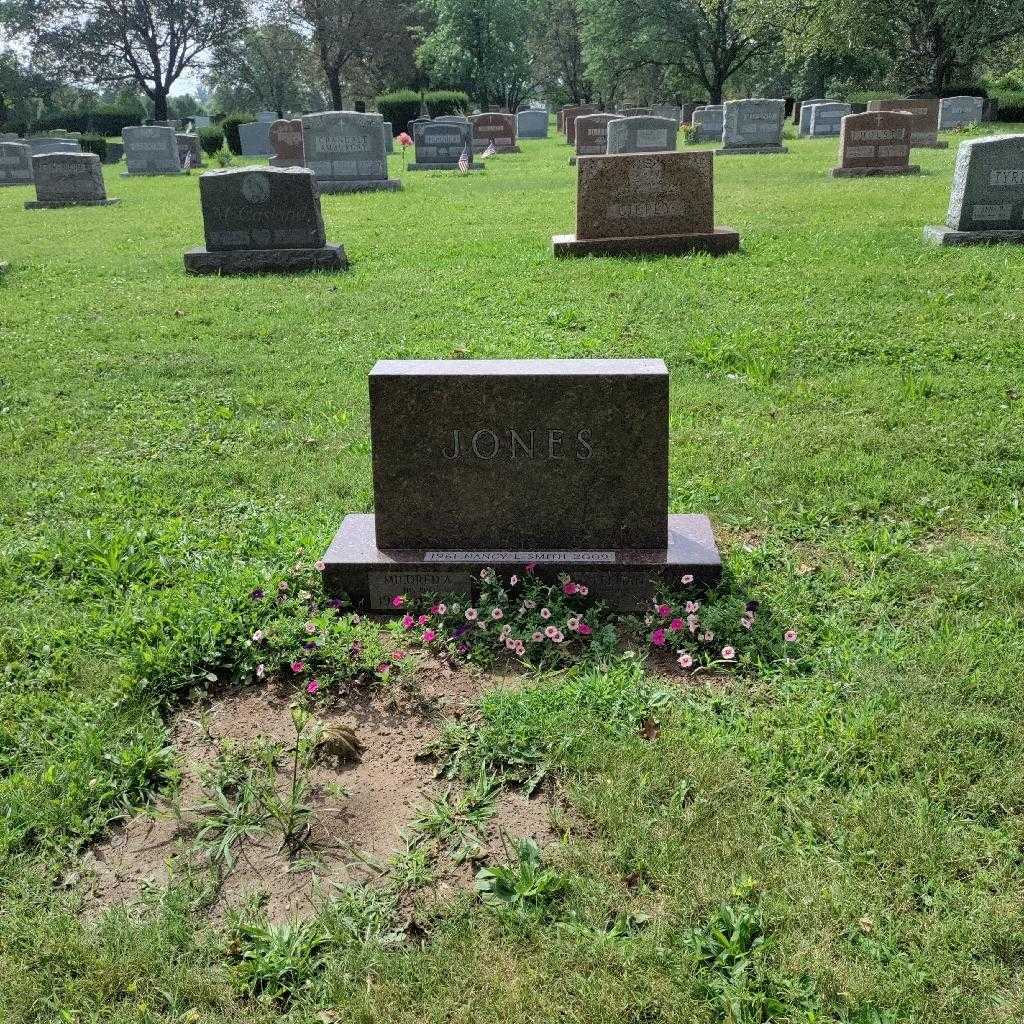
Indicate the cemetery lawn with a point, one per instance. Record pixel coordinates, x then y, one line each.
842 844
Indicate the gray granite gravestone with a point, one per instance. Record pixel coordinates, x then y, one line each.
115 153
254 138
986 202
53 145
642 135
262 219
960 111
802 116
532 124
827 119
68 179
450 119
345 150
389 136
752 126
667 110
150 149
200 121
9 137
439 144
706 123
926 120
634 112
15 164
268 116
592 135
556 464
875 143
640 204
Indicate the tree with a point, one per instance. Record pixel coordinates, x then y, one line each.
146 43
556 50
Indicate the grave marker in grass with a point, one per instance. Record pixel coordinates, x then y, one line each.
68 179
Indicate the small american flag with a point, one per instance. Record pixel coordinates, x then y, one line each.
490 150
187 162
464 161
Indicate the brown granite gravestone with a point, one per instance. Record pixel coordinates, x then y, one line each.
501 463
189 151
592 135
286 141
497 129
68 179
926 120
569 120
875 144
645 204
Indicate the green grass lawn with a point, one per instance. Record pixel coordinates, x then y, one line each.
847 406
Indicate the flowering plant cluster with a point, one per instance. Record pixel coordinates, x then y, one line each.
524 618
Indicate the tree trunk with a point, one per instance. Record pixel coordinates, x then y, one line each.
334 87
159 105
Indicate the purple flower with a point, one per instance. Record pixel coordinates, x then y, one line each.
258 594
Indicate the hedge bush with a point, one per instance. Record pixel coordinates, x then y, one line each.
403 105
230 128
94 144
105 121
211 139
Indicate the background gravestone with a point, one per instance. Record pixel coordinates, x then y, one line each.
68 179
645 203
667 110
827 119
802 116
960 111
926 120
592 135
53 145
286 142
188 145
752 126
569 120
15 164
150 149
262 219
255 138
562 463
986 201
389 136
345 150
439 144
495 129
642 135
634 112
532 124
706 123
200 121
9 137
873 144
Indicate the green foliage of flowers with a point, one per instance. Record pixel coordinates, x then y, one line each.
211 139
523 886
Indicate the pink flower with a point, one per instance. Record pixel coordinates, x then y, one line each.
558 637
790 636
658 638
403 139
513 581
257 637
582 591
439 609
314 685
537 636
663 610
529 567
383 668
583 629
423 620
397 655
692 607
687 579
520 648
298 666
708 636
545 613
551 632
675 625
261 671
569 589
397 601
496 613
572 622
429 636
510 644
407 621
320 566
310 628
728 653
471 614
685 660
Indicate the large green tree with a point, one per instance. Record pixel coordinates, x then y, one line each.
556 50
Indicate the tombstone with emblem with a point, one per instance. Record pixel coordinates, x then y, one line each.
494 129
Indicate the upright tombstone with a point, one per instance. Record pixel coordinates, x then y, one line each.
15 164
254 138
53 145
267 116
635 112
9 137
802 116
986 202
926 120
450 119
667 110
388 131
200 121
560 118
752 126
592 135
827 119
494 129
532 124
345 150
642 135
960 111
439 146
150 149
262 220
641 204
875 144
286 142
68 179
706 123
686 111
549 466
188 150
569 120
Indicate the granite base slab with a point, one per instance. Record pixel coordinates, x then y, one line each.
330 188
281 161
716 243
444 167
152 174
749 150
15 184
266 261
874 172
939 234
35 205
625 580
941 144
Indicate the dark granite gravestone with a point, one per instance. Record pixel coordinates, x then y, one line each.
150 149
641 204
53 145
15 164
532 124
558 462
189 152
286 142
642 135
803 118
345 151
926 120
960 111
827 119
262 219
592 135
494 129
68 179
569 120
986 202
706 123
439 145
255 138
875 144
752 126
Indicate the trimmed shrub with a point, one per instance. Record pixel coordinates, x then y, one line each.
403 105
1011 113
106 121
211 139
94 144
230 128
447 101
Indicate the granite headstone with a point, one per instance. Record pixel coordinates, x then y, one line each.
389 136
286 142
827 119
875 144
345 150
752 126
15 164
495 129
150 149
667 110
569 120
51 144
960 111
68 179
254 138
439 145
642 135
802 115
926 120
189 151
706 123
592 135
532 124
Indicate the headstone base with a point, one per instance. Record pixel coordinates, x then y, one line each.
266 261
34 205
151 174
715 243
281 161
748 150
873 172
330 188
940 144
624 580
939 234
11 184
444 167
477 150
